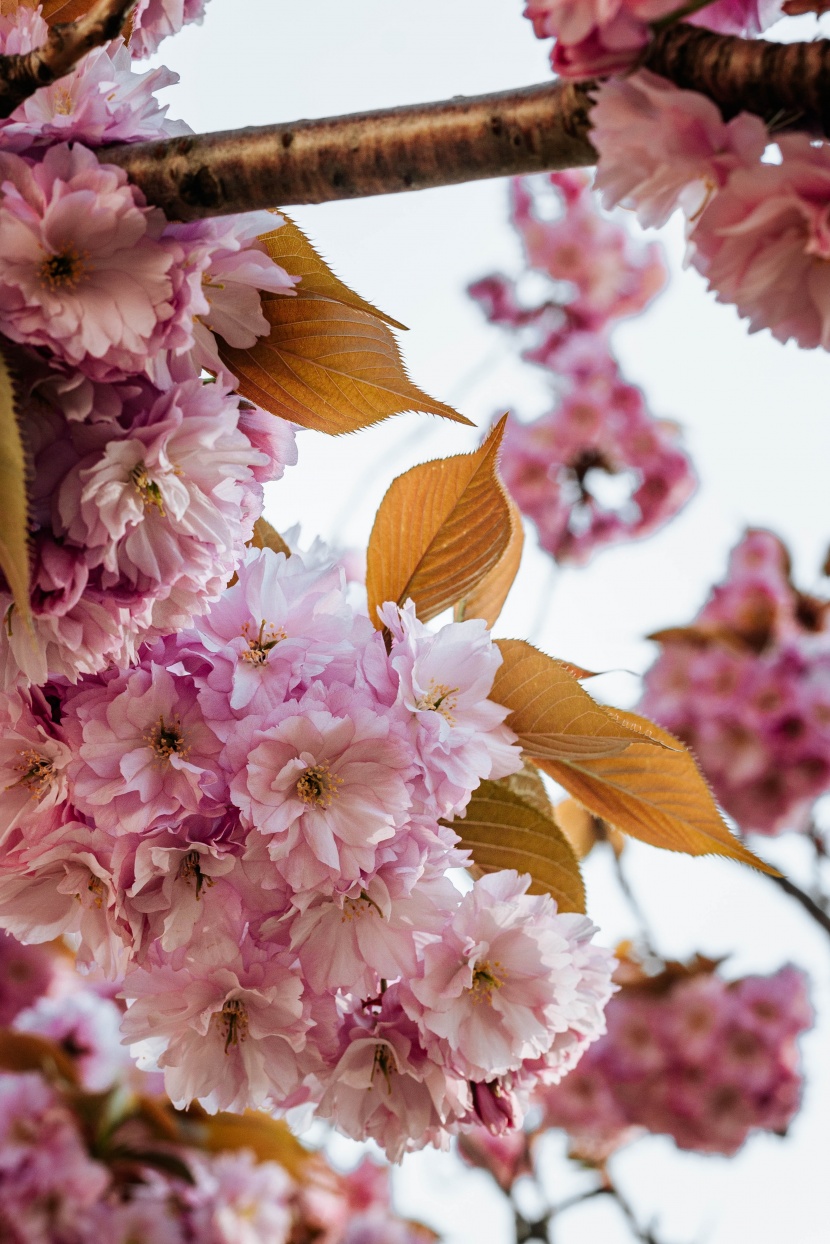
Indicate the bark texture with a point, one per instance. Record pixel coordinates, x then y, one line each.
22 75
539 128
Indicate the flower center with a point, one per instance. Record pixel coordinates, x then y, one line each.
66 268
62 103
167 741
440 699
485 980
318 785
95 887
259 645
384 1062
234 1020
36 773
354 908
190 867
147 488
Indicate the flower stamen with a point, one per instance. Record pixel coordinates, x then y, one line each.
147 489
37 773
65 269
318 785
485 980
234 1019
260 645
439 699
191 867
167 741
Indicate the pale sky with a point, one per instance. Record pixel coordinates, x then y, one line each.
756 418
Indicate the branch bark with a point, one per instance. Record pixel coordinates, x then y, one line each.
537 129
821 917
68 42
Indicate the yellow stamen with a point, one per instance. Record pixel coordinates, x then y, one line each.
317 785
260 645
64 269
440 699
37 773
485 980
167 741
147 489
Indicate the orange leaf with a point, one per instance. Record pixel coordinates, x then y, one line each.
266 537
291 249
327 366
584 830
14 528
28 1051
551 713
440 529
503 831
487 599
656 794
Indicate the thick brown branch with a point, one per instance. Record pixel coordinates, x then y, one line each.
23 74
788 84
524 131
532 130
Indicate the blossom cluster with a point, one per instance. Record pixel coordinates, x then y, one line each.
237 803
747 687
598 37
756 223
145 480
703 1060
253 823
55 1190
598 468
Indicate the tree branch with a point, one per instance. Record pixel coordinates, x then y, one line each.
536 129
24 73
812 908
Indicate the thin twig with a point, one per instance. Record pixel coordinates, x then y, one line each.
643 1234
809 904
536 129
24 73
633 902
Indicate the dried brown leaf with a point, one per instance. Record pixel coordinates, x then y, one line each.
14 533
487 599
291 249
656 794
440 529
549 711
271 1140
327 366
503 831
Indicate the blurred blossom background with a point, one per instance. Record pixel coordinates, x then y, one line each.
755 420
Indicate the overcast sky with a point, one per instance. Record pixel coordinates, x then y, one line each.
756 419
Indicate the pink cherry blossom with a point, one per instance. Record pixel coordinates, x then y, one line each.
502 980
597 37
443 680
26 972
86 1024
227 1036
661 147
738 17
104 100
326 780
279 627
763 243
144 752
33 762
242 1201
83 270
385 1086
154 20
